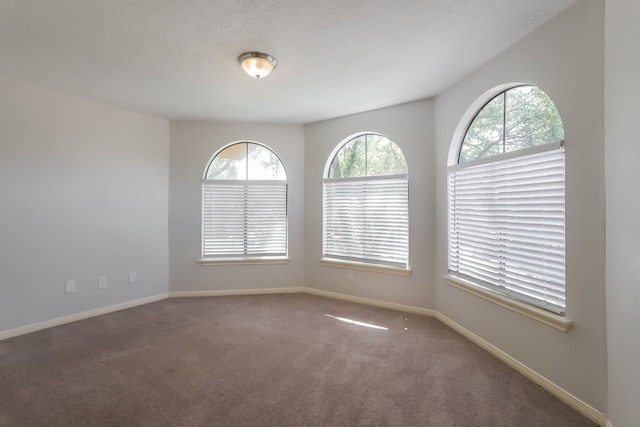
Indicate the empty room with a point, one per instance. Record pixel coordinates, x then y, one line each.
296 213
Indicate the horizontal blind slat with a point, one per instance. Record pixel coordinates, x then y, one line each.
244 219
366 220
506 227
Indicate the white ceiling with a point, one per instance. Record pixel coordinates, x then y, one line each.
177 58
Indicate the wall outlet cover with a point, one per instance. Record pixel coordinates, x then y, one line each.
102 282
69 286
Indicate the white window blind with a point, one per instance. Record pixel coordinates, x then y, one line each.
243 219
366 219
506 227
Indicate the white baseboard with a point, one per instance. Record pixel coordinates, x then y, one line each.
129 304
372 302
571 400
232 292
79 316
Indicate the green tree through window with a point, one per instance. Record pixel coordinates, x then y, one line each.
368 155
521 117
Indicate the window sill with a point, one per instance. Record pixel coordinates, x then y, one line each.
246 261
366 267
553 320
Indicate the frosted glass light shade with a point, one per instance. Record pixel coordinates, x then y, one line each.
257 64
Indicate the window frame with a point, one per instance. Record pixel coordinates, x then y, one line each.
474 286
247 184
362 263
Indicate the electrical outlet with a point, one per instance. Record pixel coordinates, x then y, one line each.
69 286
102 282
132 278
350 274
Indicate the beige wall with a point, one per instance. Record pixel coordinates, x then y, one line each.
622 68
411 127
192 145
84 194
565 59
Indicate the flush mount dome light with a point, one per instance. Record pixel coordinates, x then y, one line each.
257 64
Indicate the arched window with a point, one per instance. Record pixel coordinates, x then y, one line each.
506 198
366 203
244 204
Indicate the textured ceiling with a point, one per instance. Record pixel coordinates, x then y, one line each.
177 58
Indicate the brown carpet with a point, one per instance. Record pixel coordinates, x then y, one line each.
274 360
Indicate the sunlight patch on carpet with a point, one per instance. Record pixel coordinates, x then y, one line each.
355 322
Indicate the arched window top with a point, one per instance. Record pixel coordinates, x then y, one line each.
246 161
367 154
506 202
244 206
366 204
517 118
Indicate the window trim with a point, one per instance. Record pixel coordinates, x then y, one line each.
561 323
365 266
245 261
549 318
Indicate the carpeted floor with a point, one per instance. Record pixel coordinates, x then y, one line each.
273 360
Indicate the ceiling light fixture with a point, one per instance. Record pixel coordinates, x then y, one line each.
257 64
